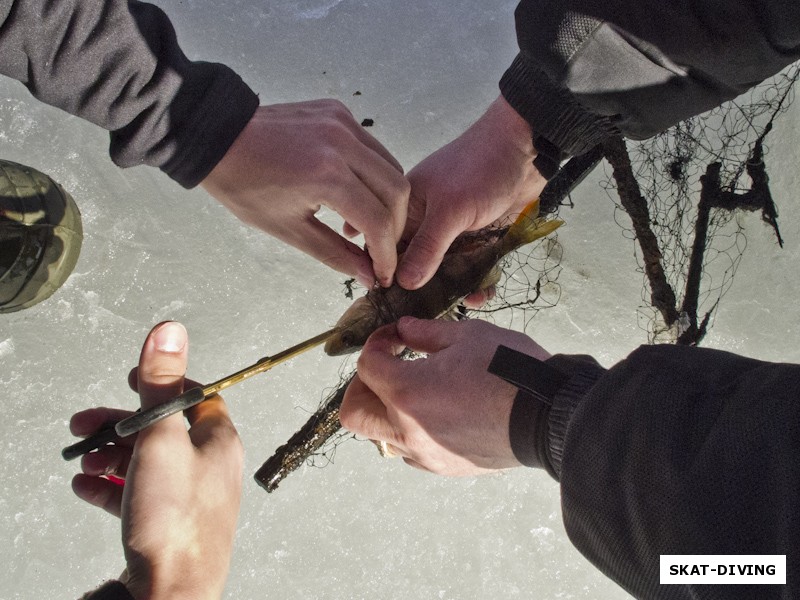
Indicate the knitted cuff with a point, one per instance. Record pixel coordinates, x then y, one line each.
562 126
583 372
218 117
527 431
538 383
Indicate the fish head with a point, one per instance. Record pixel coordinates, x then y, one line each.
344 342
353 328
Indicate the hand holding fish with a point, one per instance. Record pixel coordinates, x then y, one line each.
484 175
444 413
180 499
291 159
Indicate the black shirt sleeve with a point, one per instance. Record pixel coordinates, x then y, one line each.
589 68
681 450
117 63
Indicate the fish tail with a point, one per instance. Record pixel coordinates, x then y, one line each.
529 212
529 226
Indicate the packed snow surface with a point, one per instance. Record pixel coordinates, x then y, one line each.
363 526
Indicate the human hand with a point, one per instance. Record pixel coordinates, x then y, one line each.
180 498
482 176
444 413
291 159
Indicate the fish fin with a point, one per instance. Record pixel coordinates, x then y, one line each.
451 315
529 227
456 313
492 278
531 211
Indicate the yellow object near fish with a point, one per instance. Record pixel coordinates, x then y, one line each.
113 432
470 265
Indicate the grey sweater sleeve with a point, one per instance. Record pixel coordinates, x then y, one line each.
117 63
679 450
588 68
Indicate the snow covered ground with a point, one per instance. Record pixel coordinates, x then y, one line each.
362 527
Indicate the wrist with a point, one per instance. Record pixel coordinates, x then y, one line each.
214 119
538 384
508 123
536 150
223 178
510 141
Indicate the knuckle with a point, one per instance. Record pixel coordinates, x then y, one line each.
227 432
328 163
475 326
335 262
335 127
339 111
475 329
105 500
347 417
379 231
398 191
402 439
237 450
404 400
355 421
364 362
426 245
160 377
332 105
403 191
227 440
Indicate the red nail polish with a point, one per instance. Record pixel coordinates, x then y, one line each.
114 479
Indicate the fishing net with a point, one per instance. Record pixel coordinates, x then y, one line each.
528 285
683 194
680 196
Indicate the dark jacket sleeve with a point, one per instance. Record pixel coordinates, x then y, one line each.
678 450
117 63
588 68
111 590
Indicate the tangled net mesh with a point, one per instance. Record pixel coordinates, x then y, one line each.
724 151
693 182
529 284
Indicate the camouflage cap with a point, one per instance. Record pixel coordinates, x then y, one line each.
40 236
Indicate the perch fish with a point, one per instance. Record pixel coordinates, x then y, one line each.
470 265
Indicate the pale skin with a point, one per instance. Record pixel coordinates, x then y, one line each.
482 176
444 413
293 159
182 488
180 499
